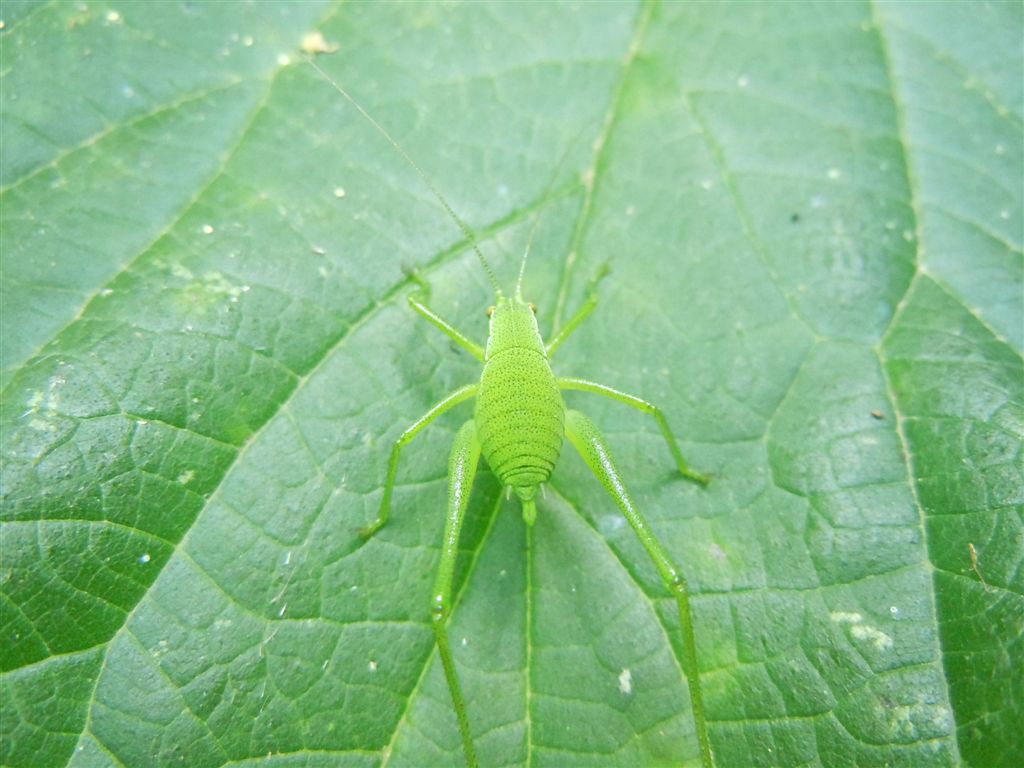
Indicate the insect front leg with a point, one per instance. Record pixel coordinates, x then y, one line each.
593 447
582 314
417 302
646 407
461 470
459 395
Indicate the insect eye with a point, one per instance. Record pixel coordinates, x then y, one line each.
533 307
490 311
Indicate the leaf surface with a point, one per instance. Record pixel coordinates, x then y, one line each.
813 219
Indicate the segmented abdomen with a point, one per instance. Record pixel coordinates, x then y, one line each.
520 417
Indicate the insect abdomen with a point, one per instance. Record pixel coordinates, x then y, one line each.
520 417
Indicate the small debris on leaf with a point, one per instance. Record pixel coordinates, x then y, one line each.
314 42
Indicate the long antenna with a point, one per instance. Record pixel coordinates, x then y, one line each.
426 179
544 202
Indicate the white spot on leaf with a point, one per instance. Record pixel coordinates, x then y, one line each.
876 637
626 681
861 631
315 42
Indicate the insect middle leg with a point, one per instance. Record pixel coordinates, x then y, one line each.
642 405
459 395
593 447
461 470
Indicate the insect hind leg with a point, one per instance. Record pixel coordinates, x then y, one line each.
461 471
593 448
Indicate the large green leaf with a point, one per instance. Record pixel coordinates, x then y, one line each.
813 215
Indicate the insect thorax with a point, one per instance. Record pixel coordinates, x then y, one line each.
520 415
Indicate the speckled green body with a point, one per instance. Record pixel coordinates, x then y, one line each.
519 425
520 415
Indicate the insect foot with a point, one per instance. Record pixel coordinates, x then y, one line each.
371 529
599 275
422 291
697 477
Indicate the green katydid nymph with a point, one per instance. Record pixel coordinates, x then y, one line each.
519 424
